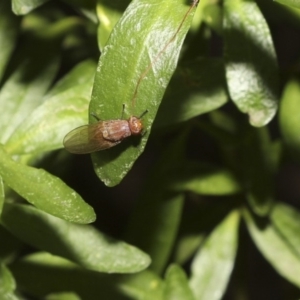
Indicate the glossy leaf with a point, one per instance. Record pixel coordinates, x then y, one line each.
205 179
146 34
45 191
177 287
289 117
251 66
22 7
108 14
36 67
7 284
196 88
83 245
9 26
55 274
213 264
279 239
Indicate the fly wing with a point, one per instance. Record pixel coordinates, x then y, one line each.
87 139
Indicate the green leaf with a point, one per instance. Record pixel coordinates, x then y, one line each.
45 191
160 207
144 286
196 88
196 224
177 287
62 296
256 166
292 3
7 284
251 66
214 262
82 74
108 14
212 16
65 108
163 211
45 128
9 26
278 240
144 39
84 245
187 246
36 66
22 7
286 220
56 274
2 195
205 179
289 117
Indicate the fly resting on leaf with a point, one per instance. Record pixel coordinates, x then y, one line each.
103 134
106 134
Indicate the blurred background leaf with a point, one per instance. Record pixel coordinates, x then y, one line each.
274 240
45 191
75 242
214 261
9 28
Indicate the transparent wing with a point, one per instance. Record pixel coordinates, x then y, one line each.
87 139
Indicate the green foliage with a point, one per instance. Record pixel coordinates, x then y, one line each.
120 79
213 264
7 284
177 285
251 67
75 242
212 152
45 191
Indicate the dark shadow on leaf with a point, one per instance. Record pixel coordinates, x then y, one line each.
60 278
37 229
107 156
197 87
260 222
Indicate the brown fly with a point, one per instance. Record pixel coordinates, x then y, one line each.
106 134
102 135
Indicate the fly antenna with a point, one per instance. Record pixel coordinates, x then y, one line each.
158 55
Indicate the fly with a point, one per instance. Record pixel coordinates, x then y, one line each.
103 134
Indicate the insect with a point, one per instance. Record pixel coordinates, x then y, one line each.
106 134
103 134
